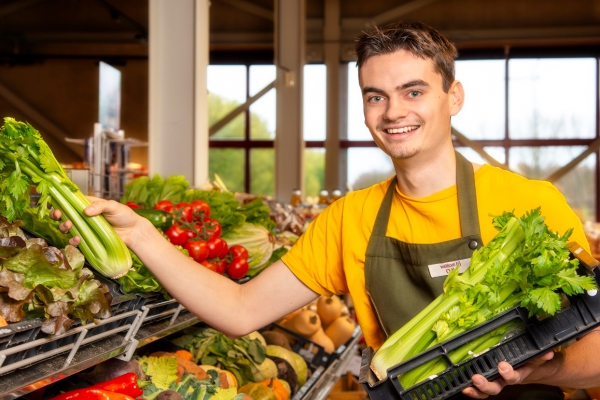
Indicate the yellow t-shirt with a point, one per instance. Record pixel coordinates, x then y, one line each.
330 256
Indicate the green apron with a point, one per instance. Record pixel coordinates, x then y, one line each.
398 275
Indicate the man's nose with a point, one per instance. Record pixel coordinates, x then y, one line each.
396 109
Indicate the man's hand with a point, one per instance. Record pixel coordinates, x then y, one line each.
508 376
126 223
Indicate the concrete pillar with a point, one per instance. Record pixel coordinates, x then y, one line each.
178 120
335 158
290 33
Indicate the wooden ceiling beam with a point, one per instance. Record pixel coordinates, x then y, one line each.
42 123
250 8
17 5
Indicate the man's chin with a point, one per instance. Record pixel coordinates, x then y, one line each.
403 154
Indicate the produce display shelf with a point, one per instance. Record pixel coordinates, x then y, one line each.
61 358
327 377
156 326
581 315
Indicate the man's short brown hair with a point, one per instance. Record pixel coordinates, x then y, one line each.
421 40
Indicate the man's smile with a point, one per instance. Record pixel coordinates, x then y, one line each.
401 130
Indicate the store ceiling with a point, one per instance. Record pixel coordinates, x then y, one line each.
31 30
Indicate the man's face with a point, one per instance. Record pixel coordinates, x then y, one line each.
405 106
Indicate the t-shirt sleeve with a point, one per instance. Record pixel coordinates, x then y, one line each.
316 258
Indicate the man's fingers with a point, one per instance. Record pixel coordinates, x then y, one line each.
74 241
483 388
65 226
508 373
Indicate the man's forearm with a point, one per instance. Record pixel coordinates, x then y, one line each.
577 366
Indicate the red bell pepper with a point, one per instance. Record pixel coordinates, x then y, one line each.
92 394
124 384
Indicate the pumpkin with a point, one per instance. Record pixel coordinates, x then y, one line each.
279 389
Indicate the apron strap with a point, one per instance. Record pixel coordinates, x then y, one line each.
467 198
467 201
383 216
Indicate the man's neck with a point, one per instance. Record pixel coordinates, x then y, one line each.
422 176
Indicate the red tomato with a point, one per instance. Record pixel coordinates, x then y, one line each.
191 234
177 235
200 208
238 268
131 204
213 266
212 227
222 264
238 251
184 211
165 205
215 246
224 251
197 249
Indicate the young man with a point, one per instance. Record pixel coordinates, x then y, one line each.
384 245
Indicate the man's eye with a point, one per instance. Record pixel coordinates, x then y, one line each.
414 93
375 99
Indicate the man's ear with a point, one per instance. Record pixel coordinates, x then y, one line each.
456 98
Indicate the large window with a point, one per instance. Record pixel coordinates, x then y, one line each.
241 152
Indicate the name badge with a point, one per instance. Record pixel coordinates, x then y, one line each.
443 269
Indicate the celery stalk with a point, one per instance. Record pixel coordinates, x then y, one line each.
26 161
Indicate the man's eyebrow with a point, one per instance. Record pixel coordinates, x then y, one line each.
371 89
407 85
418 82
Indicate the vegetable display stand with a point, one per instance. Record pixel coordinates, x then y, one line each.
539 336
23 343
314 354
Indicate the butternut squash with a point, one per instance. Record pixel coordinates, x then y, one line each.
320 338
340 330
306 323
329 309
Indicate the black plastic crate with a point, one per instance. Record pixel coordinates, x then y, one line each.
27 332
538 337
314 354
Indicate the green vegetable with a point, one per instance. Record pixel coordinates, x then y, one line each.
275 256
162 370
146 192
266 370
243 357
47 229
525 264
223 205
160 219
40 281
293 358
256 239
26 160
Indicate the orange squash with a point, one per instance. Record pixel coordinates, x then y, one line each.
320 338
306 323
340 330
329 309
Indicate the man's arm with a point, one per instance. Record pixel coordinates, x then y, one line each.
577 366
232 308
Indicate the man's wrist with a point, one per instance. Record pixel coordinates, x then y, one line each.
545 372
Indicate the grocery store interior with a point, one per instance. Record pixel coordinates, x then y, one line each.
249 110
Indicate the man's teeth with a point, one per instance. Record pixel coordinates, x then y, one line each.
403 130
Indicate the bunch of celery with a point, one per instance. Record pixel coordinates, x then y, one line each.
525 264
26 161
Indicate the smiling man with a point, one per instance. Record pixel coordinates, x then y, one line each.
390 245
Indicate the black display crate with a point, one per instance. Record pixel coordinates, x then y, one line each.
539 336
